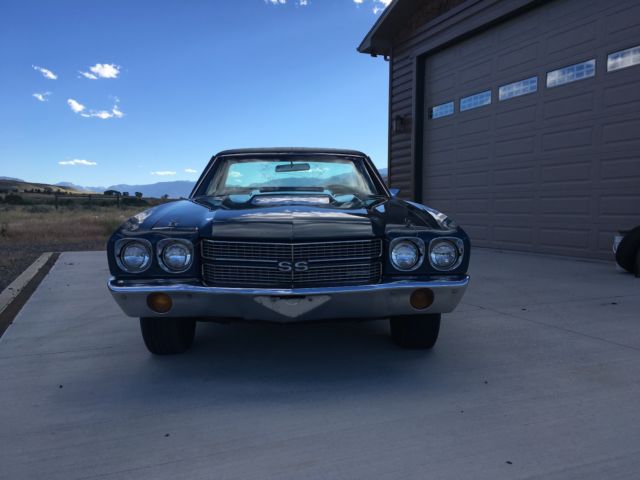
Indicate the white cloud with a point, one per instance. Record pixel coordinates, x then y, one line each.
103 114
378 5
102 70
235 174
41 97
78 161
163 173
190 170
46 73
76 106
80 109
117 112
301 3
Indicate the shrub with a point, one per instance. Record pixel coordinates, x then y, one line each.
14 199
133 201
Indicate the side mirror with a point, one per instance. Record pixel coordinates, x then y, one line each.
394 192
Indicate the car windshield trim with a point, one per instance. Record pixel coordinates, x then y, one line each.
336 175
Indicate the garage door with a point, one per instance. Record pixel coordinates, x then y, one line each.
532 136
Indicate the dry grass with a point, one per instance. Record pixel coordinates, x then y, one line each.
44 225
27 231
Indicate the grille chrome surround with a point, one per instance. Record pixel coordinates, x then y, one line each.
247 264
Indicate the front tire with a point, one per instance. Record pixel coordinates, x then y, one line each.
168 336
415 332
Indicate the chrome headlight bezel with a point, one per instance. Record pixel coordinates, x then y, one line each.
456 243
120 247
419 246
164 244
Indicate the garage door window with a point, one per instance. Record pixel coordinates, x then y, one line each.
623 59
475 101
572 73
442 110
517 89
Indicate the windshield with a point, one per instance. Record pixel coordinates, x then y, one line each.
332 176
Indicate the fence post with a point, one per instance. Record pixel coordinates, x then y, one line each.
55 200
118 200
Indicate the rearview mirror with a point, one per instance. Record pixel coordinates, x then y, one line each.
293 167
394 192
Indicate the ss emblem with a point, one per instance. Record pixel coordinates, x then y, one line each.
289 266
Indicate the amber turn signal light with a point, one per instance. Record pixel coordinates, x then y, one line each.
159 302
421 298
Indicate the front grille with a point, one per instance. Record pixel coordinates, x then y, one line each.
339 274
244 275
269 277
222 250
315 251
291 265
338 250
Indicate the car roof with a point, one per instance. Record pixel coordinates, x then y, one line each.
287 150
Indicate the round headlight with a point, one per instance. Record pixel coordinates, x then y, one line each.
135 257
177 256
443 254
405 255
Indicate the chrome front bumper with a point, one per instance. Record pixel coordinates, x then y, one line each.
289 305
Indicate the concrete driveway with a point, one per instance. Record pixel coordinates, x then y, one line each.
536 375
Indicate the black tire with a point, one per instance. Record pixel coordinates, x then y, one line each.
416 332
167 336
628 250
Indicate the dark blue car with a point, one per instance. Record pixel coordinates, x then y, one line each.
288 235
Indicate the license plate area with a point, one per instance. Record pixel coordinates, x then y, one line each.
292 306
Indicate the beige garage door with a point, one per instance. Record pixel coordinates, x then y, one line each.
532 137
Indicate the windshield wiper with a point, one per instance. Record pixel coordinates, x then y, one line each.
291 189
208 200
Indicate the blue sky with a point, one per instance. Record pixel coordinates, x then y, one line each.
175 81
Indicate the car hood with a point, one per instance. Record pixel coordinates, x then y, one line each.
289 222
292 223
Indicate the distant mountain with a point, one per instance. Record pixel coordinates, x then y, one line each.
9 185
81 188
177 189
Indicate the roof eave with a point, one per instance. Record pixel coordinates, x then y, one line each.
372 45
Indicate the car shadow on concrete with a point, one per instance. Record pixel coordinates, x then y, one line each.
265 362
